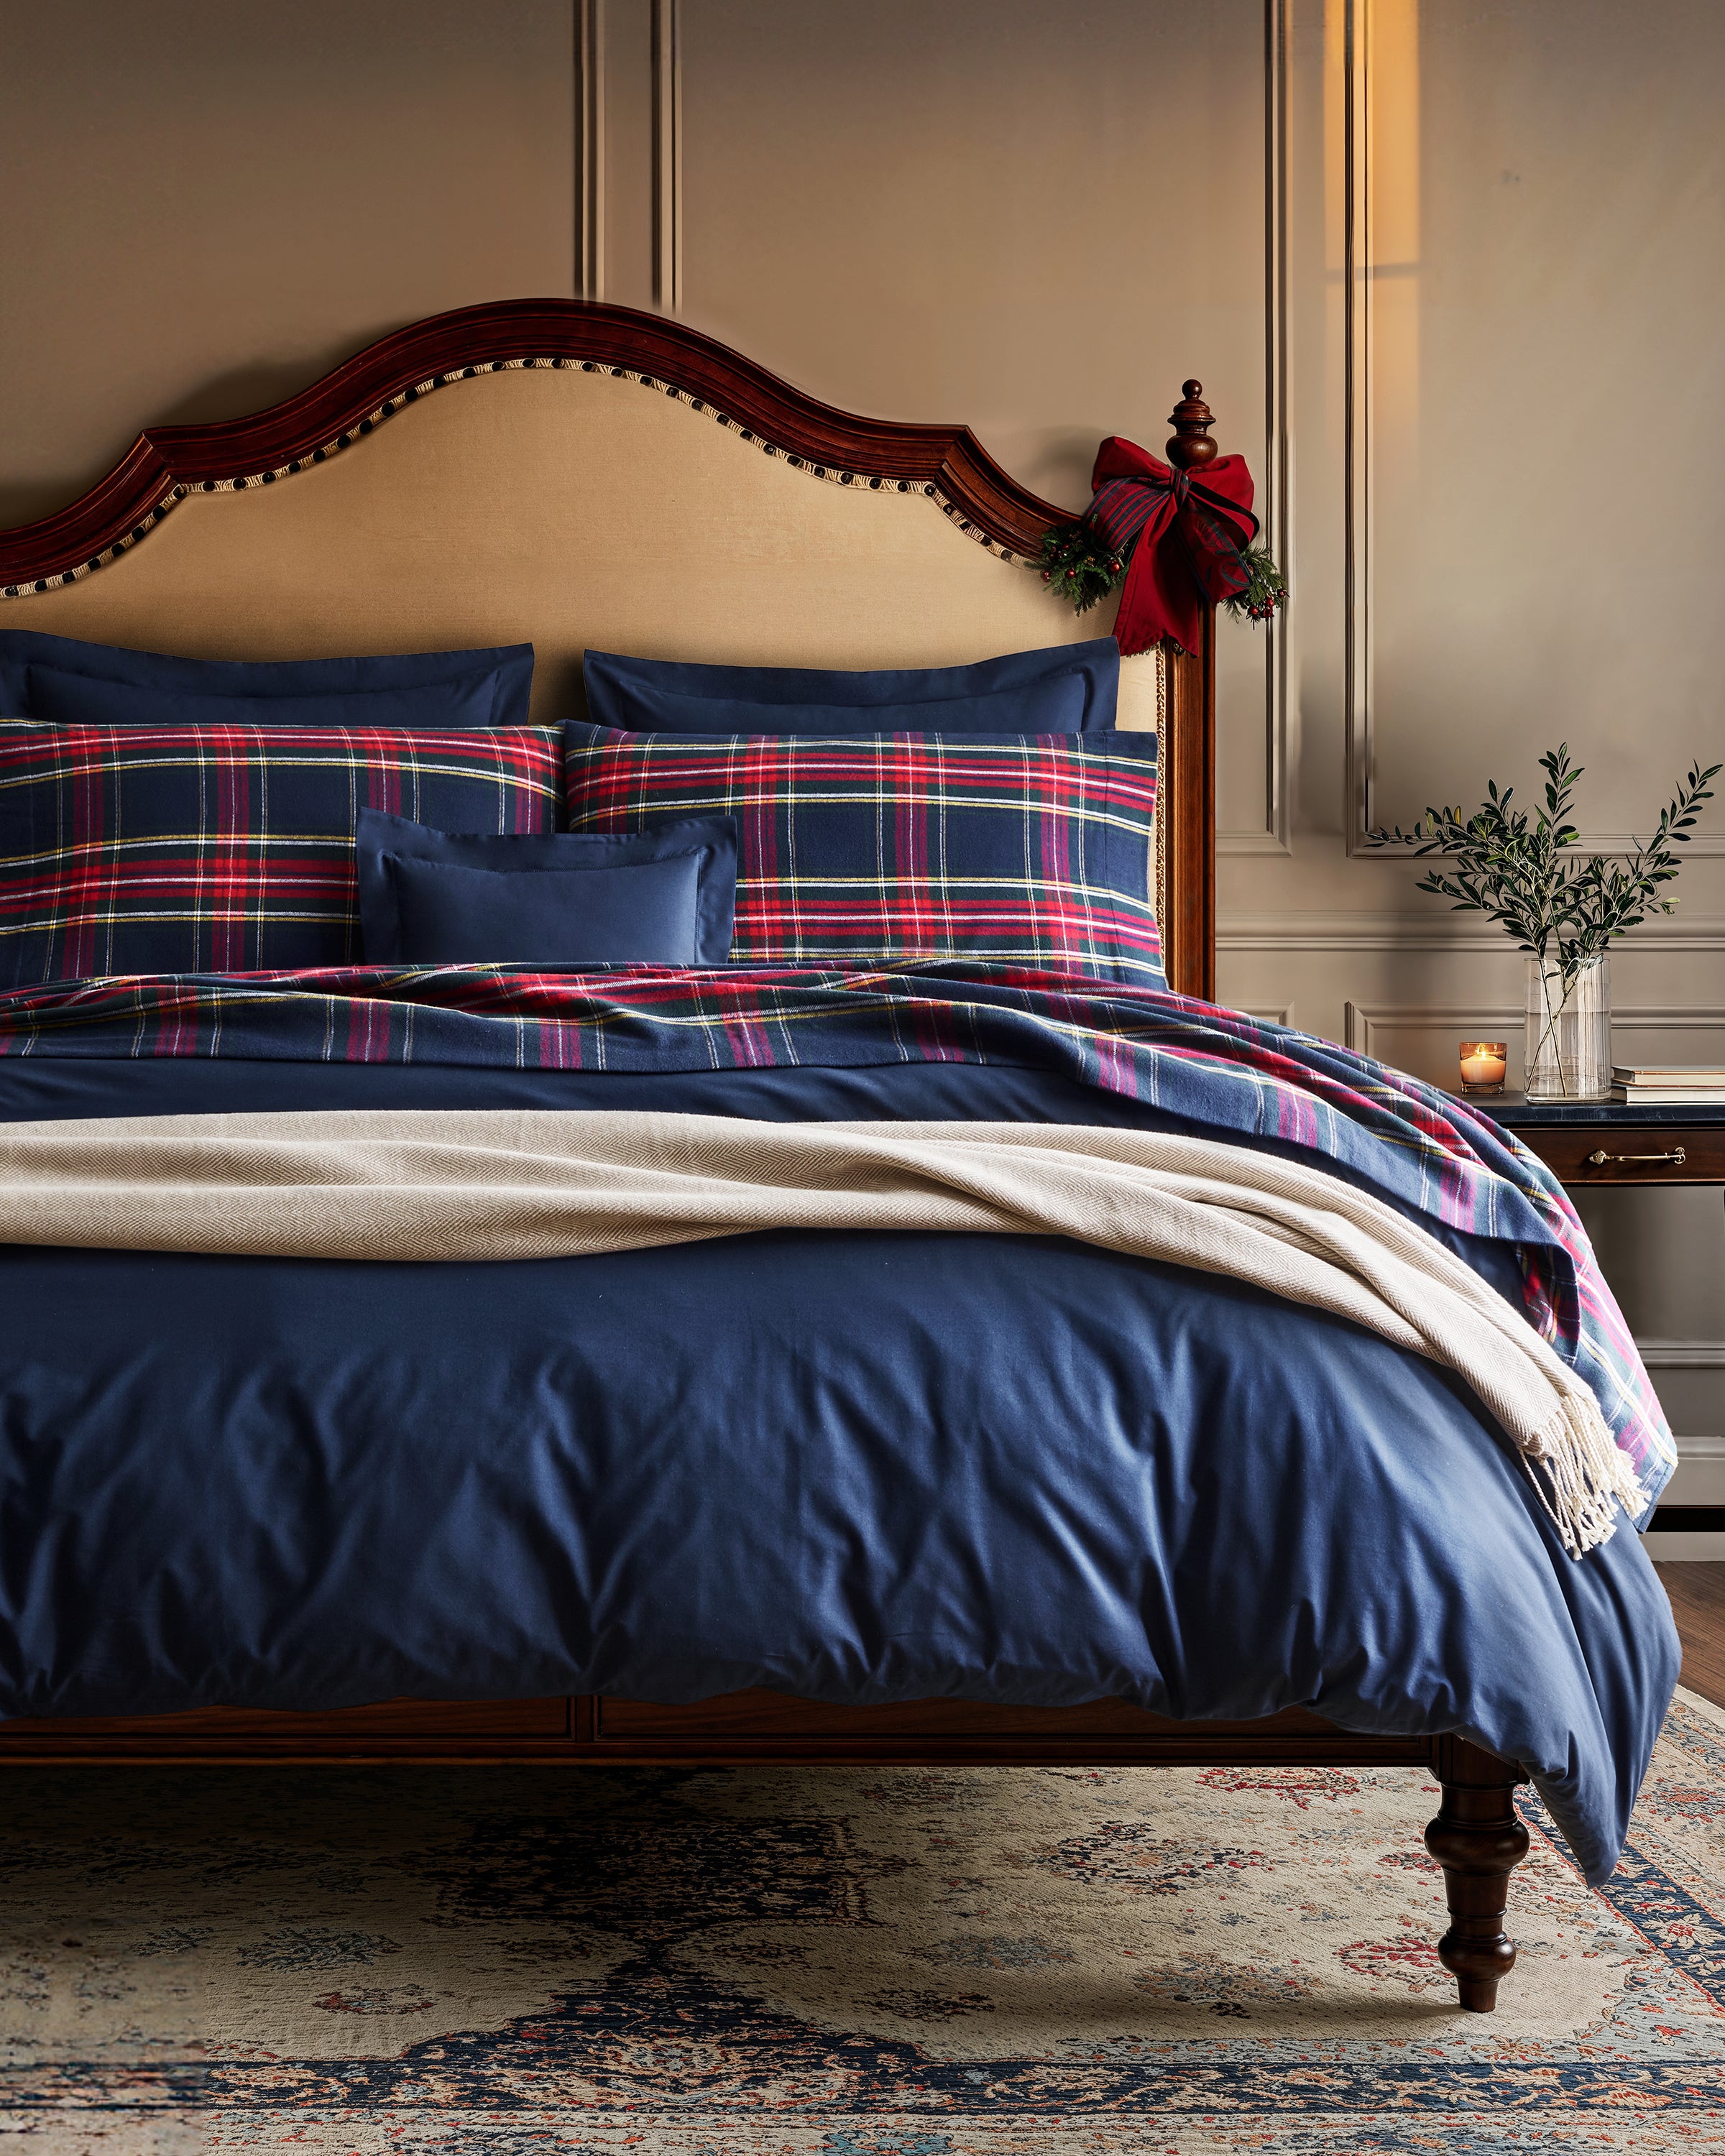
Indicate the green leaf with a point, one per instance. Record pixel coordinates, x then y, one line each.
1513 868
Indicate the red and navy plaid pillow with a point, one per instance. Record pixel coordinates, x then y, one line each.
226 848
1031 848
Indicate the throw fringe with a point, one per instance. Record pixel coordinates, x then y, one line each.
1581 1475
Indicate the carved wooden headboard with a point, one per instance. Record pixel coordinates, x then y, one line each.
591 474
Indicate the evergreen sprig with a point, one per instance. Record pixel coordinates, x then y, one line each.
1521 872
1078 567
1267 587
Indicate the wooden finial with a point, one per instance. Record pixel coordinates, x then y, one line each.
1191 419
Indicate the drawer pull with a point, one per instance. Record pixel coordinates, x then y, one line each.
1597 1159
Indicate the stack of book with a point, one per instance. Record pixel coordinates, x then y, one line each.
1669 1084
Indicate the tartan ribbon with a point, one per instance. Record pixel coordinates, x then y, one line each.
1185 535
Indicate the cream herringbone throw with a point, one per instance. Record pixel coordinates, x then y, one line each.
438 1183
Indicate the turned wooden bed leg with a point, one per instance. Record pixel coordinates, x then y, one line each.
1479 1840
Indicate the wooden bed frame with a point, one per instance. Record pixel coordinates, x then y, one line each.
1476 1836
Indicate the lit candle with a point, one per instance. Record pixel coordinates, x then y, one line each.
1483 1064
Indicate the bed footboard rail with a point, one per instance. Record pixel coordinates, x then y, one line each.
1476 1837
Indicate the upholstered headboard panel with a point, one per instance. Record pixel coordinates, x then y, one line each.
575 475
567 510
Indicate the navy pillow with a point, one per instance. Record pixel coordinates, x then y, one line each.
511 663
75 700
663 897
1069 688
1054 706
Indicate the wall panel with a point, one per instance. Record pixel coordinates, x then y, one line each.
207 205
1037 221
1547 269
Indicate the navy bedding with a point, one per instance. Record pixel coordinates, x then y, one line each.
858 1468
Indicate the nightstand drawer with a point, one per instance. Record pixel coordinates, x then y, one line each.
1589 1153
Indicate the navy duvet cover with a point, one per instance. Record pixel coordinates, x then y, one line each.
855 1467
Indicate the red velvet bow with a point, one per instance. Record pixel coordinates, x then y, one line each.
1190 531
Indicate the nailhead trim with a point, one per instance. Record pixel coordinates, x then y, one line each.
874 482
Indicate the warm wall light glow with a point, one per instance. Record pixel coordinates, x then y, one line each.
1372 114
1392 261
1371 87
1336 178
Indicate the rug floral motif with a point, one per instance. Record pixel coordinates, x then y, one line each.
838 1962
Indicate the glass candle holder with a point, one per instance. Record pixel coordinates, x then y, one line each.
1483 1064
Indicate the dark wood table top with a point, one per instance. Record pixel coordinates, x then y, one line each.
1517 1110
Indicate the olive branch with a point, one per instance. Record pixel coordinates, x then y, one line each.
1520 871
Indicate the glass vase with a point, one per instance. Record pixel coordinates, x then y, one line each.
1569 1039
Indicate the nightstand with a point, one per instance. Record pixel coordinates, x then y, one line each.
1591 1142
1595 1144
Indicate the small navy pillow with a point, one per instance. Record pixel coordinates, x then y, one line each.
663 897
1069 688
510 665
75 699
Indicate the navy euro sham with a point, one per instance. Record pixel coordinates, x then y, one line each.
442 898
1069 688
72 699
506 670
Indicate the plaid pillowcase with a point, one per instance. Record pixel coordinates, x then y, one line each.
1033 848
226 848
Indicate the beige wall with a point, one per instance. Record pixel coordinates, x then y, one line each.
209 203
1039 221
958 213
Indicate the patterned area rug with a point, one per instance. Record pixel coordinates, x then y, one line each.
834 1963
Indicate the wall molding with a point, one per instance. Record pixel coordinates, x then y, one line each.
1685 1355
667 156
1363 1020
1702 847
1362 272
1356 402
590 149
1251 841
1310 931
1274 502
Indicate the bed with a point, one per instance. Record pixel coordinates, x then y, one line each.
1329 1557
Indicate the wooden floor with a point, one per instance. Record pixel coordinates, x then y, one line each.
1697 1593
